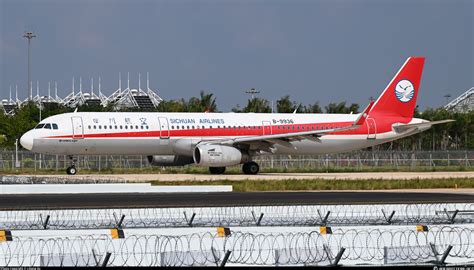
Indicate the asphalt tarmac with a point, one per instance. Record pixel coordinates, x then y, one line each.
138 200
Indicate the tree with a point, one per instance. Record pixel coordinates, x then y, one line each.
342 108
284 105
257 105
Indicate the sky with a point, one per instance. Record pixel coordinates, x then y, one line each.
326 51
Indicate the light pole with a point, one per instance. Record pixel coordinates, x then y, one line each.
252 92
29 36
17 164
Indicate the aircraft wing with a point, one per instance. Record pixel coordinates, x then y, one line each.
286 138
401 128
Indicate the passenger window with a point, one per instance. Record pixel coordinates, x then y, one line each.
105 127
55 126
146 127
100 127
110 127
131 127
89 127
177 127
95 127
126 127
136 127
121 127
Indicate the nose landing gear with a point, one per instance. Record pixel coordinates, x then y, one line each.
251 167
71 170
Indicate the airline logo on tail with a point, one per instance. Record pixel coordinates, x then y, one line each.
404 90
398 100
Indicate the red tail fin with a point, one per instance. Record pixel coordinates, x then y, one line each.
399 98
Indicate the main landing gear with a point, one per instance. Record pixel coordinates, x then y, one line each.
250 167
71 170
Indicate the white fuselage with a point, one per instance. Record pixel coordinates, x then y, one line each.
118 133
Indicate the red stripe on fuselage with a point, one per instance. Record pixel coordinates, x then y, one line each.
237 131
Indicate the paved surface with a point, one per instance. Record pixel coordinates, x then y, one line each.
11 202
263 176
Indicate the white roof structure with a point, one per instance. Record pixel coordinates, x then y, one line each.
134 98
122 98
464 103
9 105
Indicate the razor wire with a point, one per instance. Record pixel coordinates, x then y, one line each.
368 246
297 215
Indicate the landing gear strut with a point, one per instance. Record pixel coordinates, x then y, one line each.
71 170
250 167
217 170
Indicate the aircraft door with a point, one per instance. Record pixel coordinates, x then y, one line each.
371 129
77 127
164 128
266 128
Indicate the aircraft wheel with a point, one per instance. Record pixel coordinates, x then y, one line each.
71 170
217 170
251 168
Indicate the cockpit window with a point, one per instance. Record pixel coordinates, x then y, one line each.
39 126
47 126
55 126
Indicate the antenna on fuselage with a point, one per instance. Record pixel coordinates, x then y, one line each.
297 107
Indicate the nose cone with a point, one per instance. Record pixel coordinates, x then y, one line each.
27 140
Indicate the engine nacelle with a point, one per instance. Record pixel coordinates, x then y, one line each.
169 160
210 155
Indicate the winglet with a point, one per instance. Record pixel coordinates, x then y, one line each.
361 119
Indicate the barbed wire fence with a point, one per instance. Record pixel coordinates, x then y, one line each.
343 246
356 159
296 215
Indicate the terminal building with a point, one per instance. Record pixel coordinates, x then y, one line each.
462 104
143 99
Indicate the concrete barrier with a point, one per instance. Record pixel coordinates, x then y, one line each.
105 188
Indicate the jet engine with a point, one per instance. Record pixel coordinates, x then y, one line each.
211 155
169 160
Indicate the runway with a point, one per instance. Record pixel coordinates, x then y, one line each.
137 200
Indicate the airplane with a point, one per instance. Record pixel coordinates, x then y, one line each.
218 140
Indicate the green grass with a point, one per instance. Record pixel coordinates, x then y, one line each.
321 184
237 170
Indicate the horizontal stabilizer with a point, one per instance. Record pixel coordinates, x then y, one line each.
400 128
